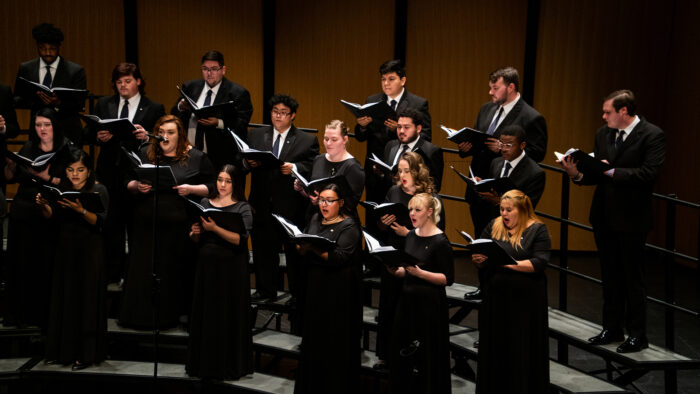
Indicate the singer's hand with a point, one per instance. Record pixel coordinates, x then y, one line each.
140 132
183 189
208 121
104 136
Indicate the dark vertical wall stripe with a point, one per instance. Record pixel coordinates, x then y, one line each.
400 29
268 26
131 39
531 32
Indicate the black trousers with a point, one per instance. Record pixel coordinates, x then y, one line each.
621 266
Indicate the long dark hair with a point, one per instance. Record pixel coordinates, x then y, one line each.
73 155
51 115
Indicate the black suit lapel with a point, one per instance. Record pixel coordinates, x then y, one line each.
34 71
631 139
222 93
288 143
138 116
61 79
113 107
196 90
403 103
510 117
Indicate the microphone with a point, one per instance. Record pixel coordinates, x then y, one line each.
156 137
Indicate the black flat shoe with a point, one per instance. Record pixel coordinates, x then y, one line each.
473 295
50 362
380 366
606 337
79 366
633 344
476 344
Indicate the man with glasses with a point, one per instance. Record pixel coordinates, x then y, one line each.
272 191
210 134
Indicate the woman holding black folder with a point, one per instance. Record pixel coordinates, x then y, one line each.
513 337
337 161
221 343
78 318
420 343
29 277
193 178
413 177
330 345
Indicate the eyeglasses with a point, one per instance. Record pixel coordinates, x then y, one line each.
211 70
323 201
280 114
507 146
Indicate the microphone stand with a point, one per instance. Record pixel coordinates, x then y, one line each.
155 279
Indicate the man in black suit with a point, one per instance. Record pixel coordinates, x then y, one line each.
129 101
51 70
409 133
514 163
377 135
210 134
505 108
621 215
272 191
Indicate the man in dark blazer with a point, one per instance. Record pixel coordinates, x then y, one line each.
129 101
272 191
621 215
409 133
393 80
51 70
211 134
505 108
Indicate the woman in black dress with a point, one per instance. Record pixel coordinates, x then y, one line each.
513 337
78 319
330 346
412 177
31 237
420 354
194 177
221 344
335 162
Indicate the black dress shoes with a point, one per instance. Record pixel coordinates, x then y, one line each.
79 366
473 295
633 344
606 337
258 297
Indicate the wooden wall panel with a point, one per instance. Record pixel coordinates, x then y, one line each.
331 50
174 34
584 53
94 38
452 46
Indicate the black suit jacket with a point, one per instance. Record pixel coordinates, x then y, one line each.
623 203
523 115
432 155
148 112
378 136
270 190
527 176
221 148
68 75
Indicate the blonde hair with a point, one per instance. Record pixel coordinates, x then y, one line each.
522 203
421 175
427 201
339 125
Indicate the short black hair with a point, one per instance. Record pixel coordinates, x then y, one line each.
215 56
516 131
415 116
50 114
623 98
390 66
509 75
287 100
124 70
47 33
346 209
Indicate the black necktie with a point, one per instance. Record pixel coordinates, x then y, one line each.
619 140
125 110
207 100
47 77
507 170
199 134
276 146
492 127
404 148
393 105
